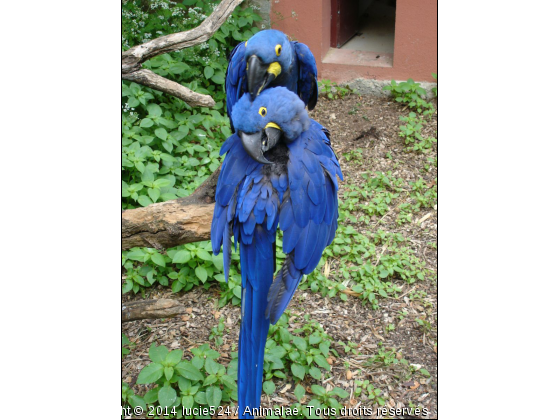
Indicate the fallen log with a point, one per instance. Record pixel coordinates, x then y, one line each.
172 223
151 309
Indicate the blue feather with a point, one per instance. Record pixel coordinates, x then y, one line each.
300 197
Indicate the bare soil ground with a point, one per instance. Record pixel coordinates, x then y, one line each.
355 122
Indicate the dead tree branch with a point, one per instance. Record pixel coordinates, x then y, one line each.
172 223
132 59
151 309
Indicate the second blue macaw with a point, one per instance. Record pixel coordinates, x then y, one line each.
280 170
270 59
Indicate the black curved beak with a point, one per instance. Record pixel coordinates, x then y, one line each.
256 144
258 76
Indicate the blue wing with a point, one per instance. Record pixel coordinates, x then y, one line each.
308 214
307 78
236 78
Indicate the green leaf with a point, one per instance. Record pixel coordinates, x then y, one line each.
144 201
339 392
208 72
229 382
168 371
318 390
181 257
314 339
213 396
200 398
300 343
161 133
218 262
150 373
188 401
178 68
146 123
167 396
154 110
136 401
157 353
186 369
210 379
147 176
218 79
154 194
174 357
321 361
204 255
268 387
158 259
211 366
315 373
298 370
324 347
299 392
201 273
151 396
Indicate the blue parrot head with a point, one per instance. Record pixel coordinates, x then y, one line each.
268 54
276 115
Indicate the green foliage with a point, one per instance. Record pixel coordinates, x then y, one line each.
302 353
199 383
370 391
130 399
217 332
412 133
333 90
325 401
182 267
434 90
170 148
354 156
412 95
125 345
424 324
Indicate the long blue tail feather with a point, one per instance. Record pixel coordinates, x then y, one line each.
257 268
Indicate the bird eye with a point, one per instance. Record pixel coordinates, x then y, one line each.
262 111
278 49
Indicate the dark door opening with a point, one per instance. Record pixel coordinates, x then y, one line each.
363 25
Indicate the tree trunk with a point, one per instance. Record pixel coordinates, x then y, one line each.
151 309
172 223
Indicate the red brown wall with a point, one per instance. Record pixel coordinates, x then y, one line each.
415 54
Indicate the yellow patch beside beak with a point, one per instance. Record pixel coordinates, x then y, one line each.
274 69
273 125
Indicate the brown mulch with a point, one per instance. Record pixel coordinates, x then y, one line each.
356 122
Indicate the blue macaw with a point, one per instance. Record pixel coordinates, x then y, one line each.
280 170
269 59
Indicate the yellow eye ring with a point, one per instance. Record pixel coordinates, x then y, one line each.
278 49
262 111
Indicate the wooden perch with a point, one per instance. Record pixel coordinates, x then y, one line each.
151 309
132 59
149 78
172 223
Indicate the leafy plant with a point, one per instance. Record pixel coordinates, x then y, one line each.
368 389
412 95
325 401
217 332
300 355
130 399
333 90
434 89
196 384
412 133
125 342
